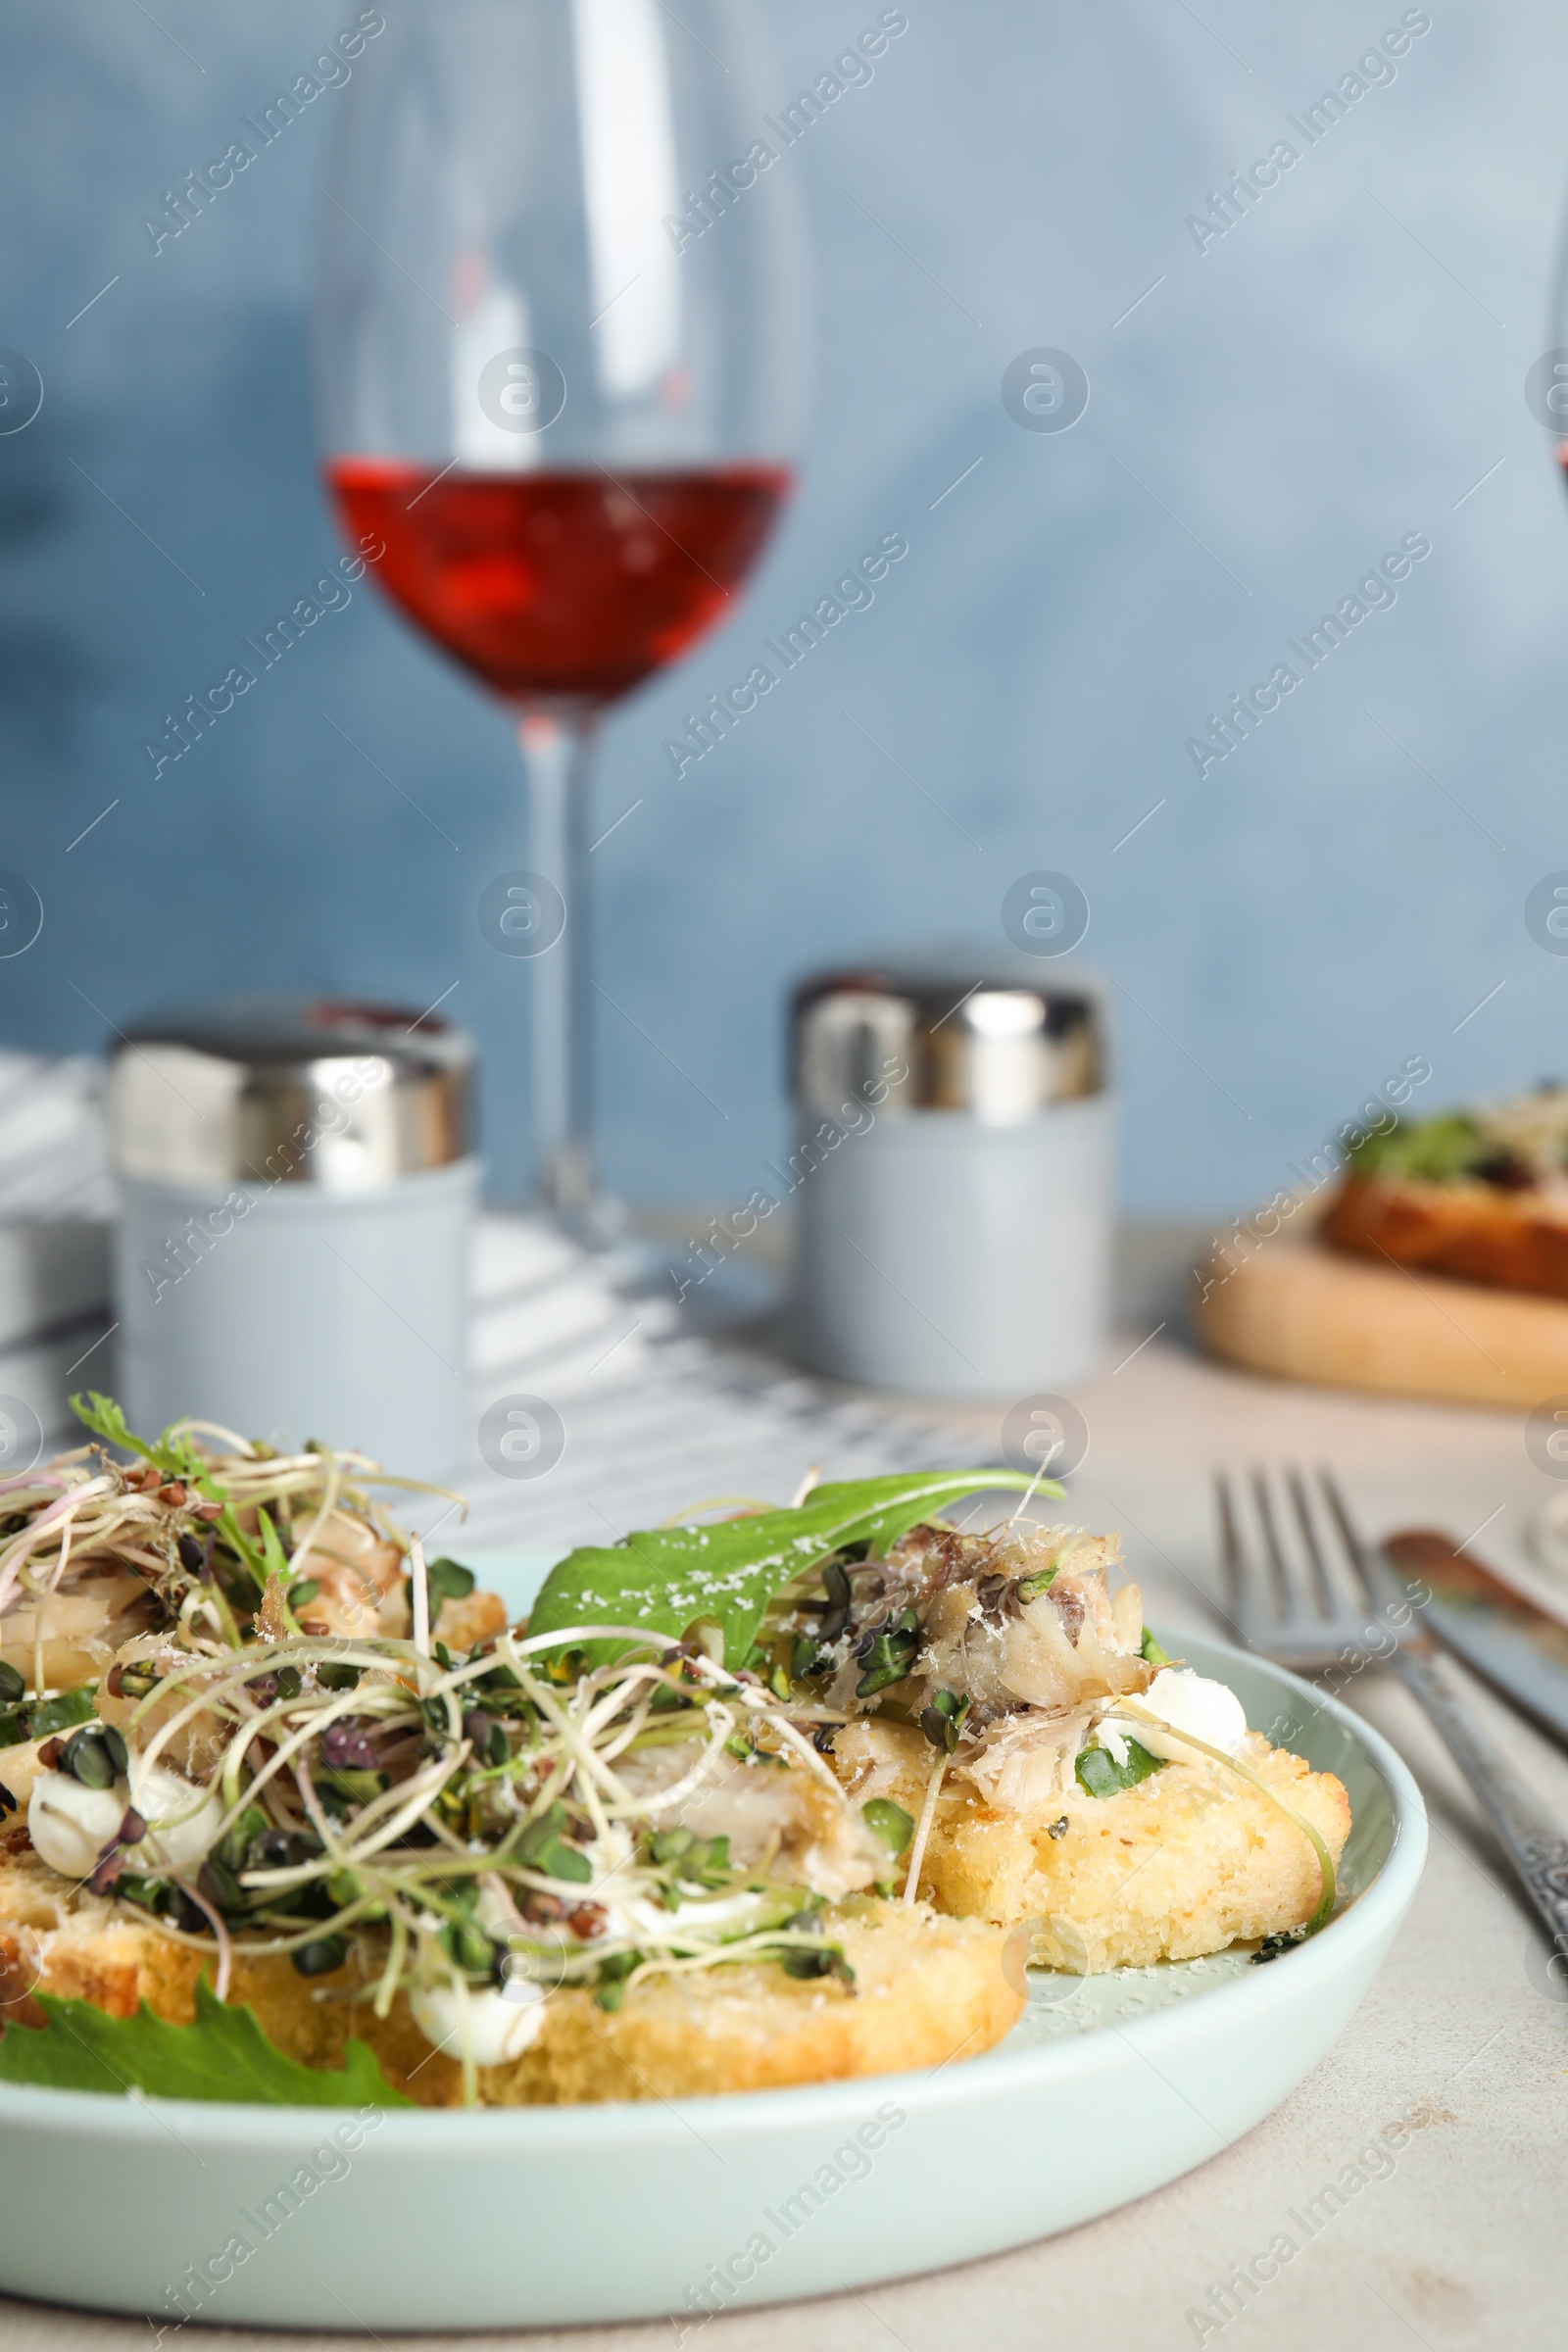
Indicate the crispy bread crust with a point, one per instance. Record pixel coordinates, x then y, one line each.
927 1989
1467 1229
1185 1863
56 1939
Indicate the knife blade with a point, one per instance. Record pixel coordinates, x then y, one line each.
1520 1650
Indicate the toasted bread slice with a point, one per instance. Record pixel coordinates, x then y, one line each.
1516 1241
1190 1860
56 1938
926 1990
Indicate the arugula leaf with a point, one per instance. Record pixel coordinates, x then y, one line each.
667 1577
222 2055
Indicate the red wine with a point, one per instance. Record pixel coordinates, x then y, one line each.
561 589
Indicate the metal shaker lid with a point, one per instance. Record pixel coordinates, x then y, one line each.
998 1044
290 1090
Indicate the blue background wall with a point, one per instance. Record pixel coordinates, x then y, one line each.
1337 370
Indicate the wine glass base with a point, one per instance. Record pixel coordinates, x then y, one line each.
585 1213
566 1182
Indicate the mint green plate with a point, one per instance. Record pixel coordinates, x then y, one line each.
549 2216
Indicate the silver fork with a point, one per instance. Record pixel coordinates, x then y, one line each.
1305 1589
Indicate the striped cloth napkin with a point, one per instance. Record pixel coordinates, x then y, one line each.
657 1418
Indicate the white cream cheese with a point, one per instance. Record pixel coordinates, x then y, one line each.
70 1824
491 2025
641 1920
1184 1701
181 1820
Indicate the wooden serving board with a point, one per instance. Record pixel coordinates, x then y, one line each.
1305 1311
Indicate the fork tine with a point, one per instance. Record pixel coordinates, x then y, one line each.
1354 1556
1374 1583
1329 1593
1281 1541
1318 1575
1278 1567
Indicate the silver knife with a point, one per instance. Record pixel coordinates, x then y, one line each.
1515 1646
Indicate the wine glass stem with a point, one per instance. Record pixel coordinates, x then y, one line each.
557 759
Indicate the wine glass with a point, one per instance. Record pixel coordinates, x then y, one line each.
1546 381
559 351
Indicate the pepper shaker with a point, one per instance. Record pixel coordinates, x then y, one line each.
953 1178
297 1188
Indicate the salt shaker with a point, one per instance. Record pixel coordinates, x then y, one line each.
297 1188
953 1179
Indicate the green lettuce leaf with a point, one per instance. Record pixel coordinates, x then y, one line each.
1447 1145
222 2055
667 1577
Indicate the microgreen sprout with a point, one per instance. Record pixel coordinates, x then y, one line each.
464 1815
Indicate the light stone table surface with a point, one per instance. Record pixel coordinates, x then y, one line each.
1455 2242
